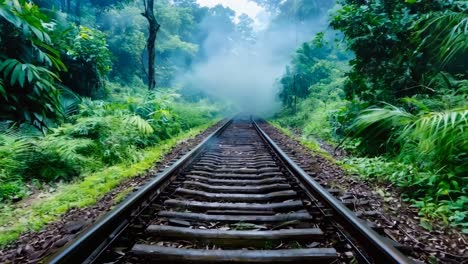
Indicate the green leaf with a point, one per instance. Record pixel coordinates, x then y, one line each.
39 34
10 64
142 125
15 74
4 64
455 185
2 90
9 16
22 77
426 224
30 74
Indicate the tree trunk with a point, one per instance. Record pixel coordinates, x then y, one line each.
78 12
62 5
68 6
151 42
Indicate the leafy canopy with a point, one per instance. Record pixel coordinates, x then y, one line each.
29 65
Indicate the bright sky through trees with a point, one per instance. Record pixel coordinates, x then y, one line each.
240 6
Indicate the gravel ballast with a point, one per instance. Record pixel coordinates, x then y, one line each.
395 218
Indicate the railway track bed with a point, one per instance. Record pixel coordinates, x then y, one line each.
379 204
236 198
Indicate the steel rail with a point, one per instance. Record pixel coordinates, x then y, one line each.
96 239
380 250
89 246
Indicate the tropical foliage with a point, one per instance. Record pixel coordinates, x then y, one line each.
29 65
401 108
392 41
88 59
100 135
392 90
71 96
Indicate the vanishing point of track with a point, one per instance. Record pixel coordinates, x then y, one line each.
235 198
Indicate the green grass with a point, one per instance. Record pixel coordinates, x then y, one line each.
18 218
123 194
309 143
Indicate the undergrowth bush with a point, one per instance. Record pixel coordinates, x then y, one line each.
14 150
427 190
312 119
99 134
57 157
411 55
420 146
195 114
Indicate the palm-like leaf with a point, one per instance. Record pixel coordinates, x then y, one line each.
439 138
441 135
29 65
69 102
445 33
382 119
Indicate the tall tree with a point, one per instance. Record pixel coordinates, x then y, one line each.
270 5
391 62
219 28
151 41
245 30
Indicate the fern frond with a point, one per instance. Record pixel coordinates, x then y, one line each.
66 148
142 125
70 101
14 150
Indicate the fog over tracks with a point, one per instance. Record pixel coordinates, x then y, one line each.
243 67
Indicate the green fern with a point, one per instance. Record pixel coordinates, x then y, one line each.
15 148
140 123
59 157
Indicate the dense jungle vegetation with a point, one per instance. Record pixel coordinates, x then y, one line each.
387 81
89 98
76 114
73 93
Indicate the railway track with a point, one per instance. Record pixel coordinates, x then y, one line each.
235 198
